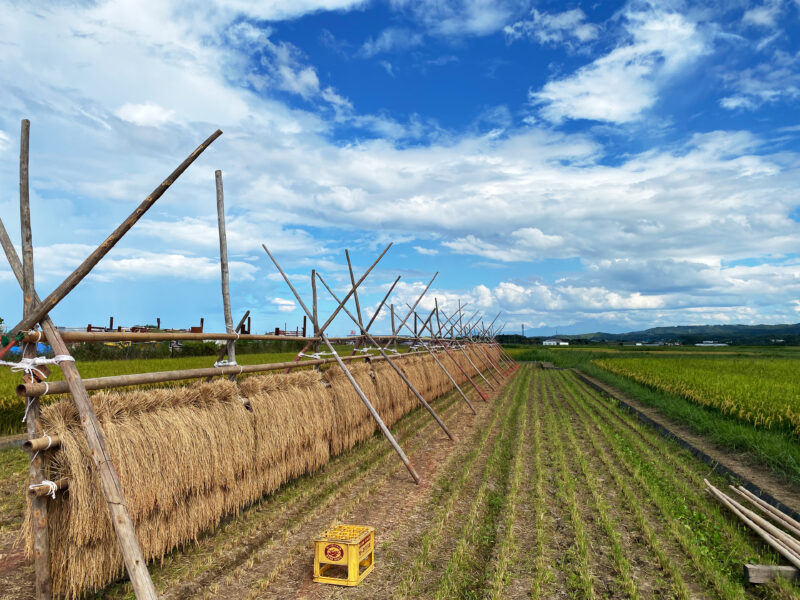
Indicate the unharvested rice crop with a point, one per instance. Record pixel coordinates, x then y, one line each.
762 391
188 456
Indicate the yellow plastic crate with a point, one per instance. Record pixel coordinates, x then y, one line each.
351 546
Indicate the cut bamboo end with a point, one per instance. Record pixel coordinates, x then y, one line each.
42 443
43 489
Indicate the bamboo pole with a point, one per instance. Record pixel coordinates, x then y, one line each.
42 491
335 312
460 347
776 544
394 366
359 341
348 374
109 480
223 264
44 307
778 515
224 350
380 306
38 507
442 367
115 381
167 336
400 326
443 345
38 444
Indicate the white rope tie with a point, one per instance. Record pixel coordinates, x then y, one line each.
226 363
38 333
28 365
52 488
319 355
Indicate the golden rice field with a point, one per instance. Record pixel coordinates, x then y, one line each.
764 392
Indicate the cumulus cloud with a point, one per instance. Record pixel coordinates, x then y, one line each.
391 40
619 86
460 17
554 28
654 229
146 114
283 305
767 83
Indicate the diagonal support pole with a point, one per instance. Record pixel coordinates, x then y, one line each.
44 307
384 429
442 367
394 366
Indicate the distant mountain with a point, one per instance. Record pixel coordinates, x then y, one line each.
722 333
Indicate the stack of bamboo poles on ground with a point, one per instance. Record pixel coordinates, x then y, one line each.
188 456
779 534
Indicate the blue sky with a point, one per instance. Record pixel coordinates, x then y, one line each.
579 167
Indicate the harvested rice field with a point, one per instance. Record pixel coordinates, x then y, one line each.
550 491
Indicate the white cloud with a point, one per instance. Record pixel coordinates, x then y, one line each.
765 15
554 28
391 40
621 85
460 17
426 251
767 83
283 305
145 115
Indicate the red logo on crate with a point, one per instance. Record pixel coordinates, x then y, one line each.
334 552
364 544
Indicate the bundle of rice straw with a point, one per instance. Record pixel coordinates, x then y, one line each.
187 456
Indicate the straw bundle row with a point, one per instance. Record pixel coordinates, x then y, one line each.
188 456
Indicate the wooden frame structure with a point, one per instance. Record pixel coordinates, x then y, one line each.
36 311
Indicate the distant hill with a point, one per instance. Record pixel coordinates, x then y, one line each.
721 333
688 334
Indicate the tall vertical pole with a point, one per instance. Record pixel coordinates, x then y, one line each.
315 314
41 541
109 480
223 263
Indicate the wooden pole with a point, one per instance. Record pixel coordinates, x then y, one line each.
359 341
223 264
380 306
387 358
373 412
442 367
394 331
115 381
335 312
778 515
240 327
403 322
44 307
109 480
443 345
347 372
737 509
41 540
460 347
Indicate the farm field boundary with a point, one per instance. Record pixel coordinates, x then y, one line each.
720 462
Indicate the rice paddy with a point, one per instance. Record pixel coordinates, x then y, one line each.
762 391
551 491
